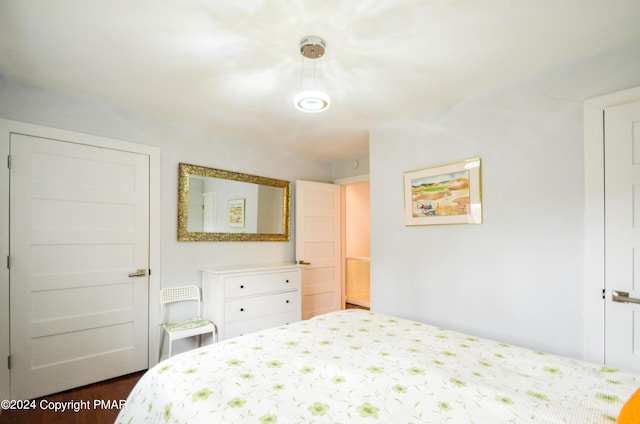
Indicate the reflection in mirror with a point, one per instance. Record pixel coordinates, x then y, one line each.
218 205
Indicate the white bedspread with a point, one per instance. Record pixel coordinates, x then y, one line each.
355 366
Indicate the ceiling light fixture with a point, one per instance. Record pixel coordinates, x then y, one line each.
312 99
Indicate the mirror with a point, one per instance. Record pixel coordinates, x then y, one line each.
218 205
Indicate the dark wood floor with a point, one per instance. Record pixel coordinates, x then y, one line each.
353 306
108 395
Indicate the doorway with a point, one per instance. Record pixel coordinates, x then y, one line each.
356 244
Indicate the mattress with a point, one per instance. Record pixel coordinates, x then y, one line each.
357 366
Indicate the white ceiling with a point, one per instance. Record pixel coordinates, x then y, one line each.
233 67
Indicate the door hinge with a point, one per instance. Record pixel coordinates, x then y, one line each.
8 262
9 362
604 296
9 161
149 271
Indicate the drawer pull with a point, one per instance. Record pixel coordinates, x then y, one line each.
242 286
287 301
286 281
241 309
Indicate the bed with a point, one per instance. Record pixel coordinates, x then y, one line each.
356 366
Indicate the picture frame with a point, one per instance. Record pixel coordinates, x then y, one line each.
444 194
236 213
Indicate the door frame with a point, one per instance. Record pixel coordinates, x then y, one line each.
594 235
7 127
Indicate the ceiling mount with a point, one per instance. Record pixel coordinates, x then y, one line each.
312 47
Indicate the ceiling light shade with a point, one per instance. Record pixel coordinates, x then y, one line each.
312 101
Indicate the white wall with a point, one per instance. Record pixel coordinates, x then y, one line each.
518 277
352 167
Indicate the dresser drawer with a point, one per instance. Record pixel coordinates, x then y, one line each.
250 326
253 307
250 285
244 299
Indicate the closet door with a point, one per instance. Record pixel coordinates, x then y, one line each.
79 246
622 235
598 282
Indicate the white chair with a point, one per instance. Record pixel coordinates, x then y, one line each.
191 327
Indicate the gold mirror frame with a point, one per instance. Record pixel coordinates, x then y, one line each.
186 170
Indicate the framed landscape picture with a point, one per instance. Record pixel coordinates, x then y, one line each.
236 213
444 194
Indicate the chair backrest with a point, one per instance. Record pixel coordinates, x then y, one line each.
179 294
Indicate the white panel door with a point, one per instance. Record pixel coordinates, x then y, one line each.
79 225
622 236
318 246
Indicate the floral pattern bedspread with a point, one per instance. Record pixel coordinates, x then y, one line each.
356 366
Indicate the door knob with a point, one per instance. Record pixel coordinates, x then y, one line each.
301 262
141 272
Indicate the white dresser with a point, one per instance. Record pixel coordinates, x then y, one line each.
246 298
